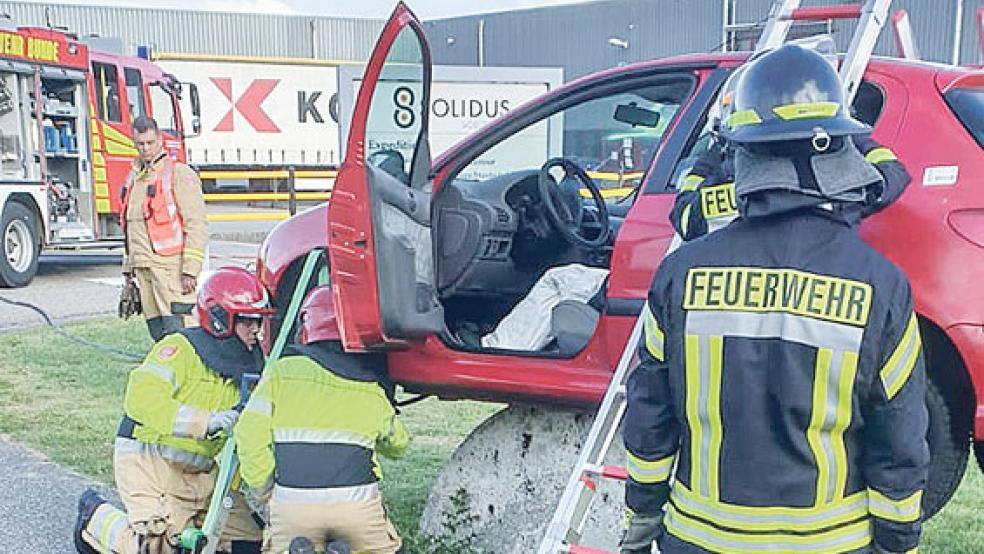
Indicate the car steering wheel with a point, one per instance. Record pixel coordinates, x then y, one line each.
559 212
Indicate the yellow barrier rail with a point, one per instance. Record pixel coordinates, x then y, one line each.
609 193
611 176
269 174
263 196
269 216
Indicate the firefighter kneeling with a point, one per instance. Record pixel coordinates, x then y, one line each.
781 379
179 408
308 437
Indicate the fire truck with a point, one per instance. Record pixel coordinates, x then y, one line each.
66 144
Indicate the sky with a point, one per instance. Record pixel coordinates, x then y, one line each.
378 9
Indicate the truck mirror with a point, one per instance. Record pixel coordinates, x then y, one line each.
196 106
636 116
196 110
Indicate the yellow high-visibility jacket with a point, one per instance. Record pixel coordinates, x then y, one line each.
310 434
170 396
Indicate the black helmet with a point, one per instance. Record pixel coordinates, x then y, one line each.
790 94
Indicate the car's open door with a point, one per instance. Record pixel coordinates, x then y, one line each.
379 235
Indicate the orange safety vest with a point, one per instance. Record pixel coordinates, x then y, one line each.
160 211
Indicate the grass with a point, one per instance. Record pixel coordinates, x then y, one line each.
64 400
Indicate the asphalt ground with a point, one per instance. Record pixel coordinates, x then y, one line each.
38 502
83 285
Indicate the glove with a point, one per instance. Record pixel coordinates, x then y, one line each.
222 421
129 299
640 532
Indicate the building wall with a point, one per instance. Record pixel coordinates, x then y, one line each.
574 37
577 37
210 32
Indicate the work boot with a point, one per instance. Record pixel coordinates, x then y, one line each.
88 502
301 545
337 547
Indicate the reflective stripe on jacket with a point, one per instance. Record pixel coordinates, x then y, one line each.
782 377
312 435
168 400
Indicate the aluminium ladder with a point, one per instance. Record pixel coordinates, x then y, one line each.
565 528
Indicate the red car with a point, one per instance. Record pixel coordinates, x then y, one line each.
420 252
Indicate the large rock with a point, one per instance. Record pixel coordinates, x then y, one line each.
501 487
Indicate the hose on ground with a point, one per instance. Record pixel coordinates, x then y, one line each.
125 354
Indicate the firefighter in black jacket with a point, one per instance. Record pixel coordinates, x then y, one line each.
781 379
706 201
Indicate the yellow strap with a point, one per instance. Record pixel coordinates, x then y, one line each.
654 336
879 155
743 117
906 510
895 373
691 182
648 471
807 110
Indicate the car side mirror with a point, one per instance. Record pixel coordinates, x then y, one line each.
636 116
390 161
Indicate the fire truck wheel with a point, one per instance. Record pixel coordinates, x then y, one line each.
979 452
19 233
949 448
499 490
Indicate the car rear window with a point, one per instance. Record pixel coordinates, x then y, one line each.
968 105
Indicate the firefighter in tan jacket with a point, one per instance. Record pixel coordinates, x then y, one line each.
163 219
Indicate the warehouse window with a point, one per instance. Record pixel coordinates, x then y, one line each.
107 92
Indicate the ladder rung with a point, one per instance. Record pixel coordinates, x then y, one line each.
608 471
820 13
576 549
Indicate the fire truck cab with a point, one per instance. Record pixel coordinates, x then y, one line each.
66 144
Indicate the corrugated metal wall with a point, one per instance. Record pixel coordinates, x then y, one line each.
970 46
210 32
577 37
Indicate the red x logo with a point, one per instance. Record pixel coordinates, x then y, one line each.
249 105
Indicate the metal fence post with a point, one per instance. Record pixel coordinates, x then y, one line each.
291 192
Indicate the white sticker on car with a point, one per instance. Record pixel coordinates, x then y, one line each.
940 176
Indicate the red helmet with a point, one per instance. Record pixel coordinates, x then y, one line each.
318 320
229 293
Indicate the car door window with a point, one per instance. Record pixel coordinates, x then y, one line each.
613 137
396 114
